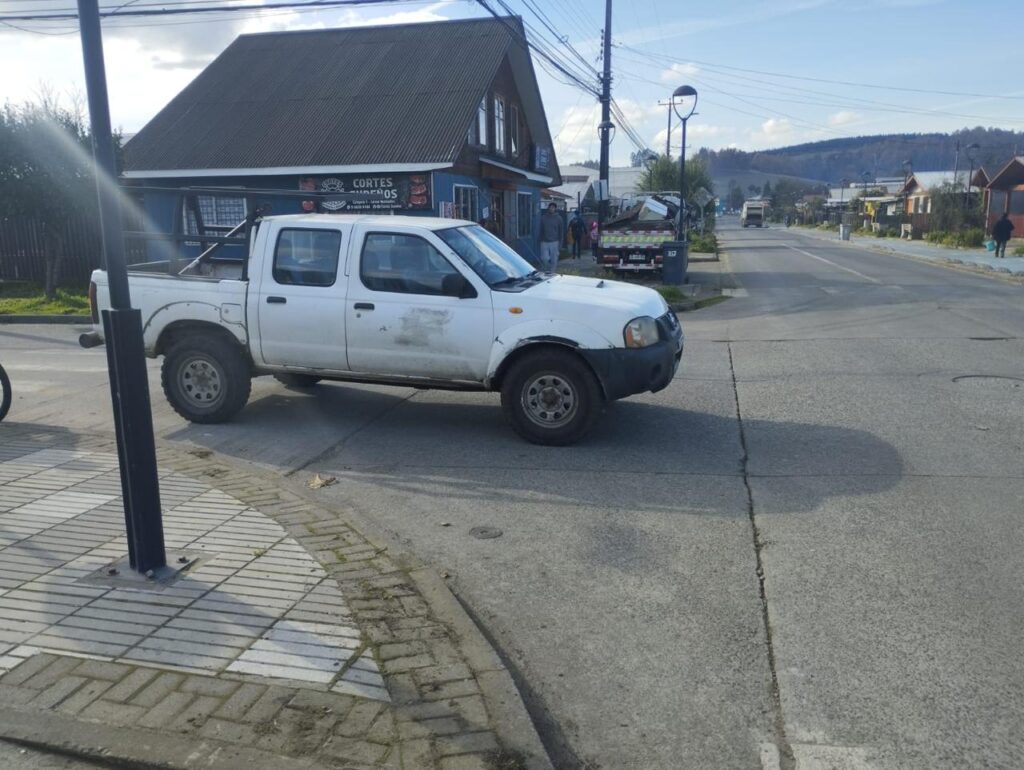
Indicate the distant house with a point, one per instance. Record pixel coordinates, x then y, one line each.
441 119
920 185
1005 194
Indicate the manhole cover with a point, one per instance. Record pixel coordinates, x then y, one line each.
485 533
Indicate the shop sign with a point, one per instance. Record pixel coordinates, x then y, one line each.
370 192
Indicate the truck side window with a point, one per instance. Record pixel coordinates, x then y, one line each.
405 264
307 257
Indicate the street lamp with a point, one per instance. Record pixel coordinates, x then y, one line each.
842 193
684 103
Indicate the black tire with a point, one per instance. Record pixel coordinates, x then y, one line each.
297 380
566 377
5 393
206 379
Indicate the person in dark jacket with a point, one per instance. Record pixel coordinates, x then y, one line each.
1001 231
576 228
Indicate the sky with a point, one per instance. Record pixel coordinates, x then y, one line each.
768 74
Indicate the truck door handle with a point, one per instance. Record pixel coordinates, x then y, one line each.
277 300
364 306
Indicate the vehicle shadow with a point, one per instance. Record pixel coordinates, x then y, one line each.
458 446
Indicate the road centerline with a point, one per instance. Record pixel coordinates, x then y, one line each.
833 264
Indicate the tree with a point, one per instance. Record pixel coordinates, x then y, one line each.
46 173
735 197
662 175
767 191
753 189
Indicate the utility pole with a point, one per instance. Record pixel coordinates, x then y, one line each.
122 327
668 134
606 109
956 164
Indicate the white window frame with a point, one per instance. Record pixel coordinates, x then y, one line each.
481 123
522 232
187 222
474 194
513 129
500 144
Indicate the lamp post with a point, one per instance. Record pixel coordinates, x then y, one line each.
842 195
865 175
970 149
122 325
684 103
908 170
606 131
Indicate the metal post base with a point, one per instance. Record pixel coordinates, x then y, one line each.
133 422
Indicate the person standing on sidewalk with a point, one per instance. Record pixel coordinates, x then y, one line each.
1001 231
552 235
576 230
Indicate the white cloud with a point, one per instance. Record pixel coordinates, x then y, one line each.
679 71
697 135
843 117
577 133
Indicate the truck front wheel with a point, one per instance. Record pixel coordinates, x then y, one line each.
551 397
205 379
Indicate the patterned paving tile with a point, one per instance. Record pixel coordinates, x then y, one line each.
256 604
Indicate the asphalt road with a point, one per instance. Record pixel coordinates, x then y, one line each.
851 428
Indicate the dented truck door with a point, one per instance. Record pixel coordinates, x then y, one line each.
413 311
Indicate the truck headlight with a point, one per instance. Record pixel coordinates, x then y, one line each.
640 332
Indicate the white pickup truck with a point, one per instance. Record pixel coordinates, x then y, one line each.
413 301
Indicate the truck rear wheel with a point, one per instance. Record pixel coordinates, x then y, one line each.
206 379
297 380
551 397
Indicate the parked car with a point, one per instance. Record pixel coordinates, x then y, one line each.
413 301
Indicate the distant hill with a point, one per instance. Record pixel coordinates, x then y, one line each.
881 155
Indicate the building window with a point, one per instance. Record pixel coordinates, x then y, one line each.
513 129
499 125
467 202
307 257
997 201
524 215
220 213
1017 202
481 123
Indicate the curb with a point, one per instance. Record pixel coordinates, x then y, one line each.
136 747
511 719
505 703
45 319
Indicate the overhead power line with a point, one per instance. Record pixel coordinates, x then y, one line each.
165 11
808 78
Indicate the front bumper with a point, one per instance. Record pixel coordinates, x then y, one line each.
626 371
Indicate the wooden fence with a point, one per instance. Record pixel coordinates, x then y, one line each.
23 251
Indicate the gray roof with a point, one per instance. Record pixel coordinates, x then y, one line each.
354 96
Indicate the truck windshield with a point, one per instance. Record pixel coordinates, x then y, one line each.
487 256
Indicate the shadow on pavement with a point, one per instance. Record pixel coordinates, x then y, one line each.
641 456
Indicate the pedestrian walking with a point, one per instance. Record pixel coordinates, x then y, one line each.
1001 231
552 236
577 227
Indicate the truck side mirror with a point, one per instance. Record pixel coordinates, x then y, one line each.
456 285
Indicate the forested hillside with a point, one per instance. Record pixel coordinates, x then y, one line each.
881 155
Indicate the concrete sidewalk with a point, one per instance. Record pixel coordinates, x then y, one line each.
978 258
291 640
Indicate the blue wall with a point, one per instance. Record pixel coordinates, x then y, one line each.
162 209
